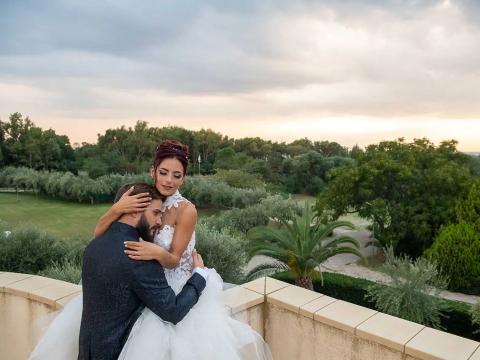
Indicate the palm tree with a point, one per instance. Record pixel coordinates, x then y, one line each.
300 246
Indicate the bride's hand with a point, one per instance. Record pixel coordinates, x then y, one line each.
131 203
142 250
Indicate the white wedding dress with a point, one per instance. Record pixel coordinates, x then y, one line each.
207 332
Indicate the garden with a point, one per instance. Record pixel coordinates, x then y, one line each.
420 201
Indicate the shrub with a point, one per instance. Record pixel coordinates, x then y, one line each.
242 220
457 252
207 193
278 208
408 295
67 270
66 185
468 210
29 250
238 219
223 251
475 313
238 179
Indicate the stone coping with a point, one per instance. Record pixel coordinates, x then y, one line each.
48 291
404 336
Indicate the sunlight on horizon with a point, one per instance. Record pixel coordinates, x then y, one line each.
348 131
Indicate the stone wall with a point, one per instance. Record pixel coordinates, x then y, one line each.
296 323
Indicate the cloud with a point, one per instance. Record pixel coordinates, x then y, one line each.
218 60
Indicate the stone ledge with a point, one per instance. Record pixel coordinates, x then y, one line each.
51 293
239 299
27 286
38 288
431 344
7 278
265 285
309 309
476 355
413 340
344 315
292 297
388 330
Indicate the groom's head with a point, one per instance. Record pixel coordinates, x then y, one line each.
148 221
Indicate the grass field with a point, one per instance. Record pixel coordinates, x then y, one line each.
60 218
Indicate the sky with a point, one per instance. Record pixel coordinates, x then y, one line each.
351 71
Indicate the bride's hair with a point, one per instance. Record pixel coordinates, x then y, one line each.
168 149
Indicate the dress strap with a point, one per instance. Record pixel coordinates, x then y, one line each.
172 201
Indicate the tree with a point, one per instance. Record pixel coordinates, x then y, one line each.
330 148
24 144
306 173
355 152
468 210
474 164
300 246
228 159
299 146
254 147
409 189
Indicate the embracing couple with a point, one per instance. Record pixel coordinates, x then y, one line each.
146 292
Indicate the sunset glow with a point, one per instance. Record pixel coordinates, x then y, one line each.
352 72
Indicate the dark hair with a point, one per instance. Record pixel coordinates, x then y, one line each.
168 149
139 188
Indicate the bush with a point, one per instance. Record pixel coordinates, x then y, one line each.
411 286
205 192
242 220
28 250
223 251
66 270
468 210
238 179
457 252
66 185
475 313
457 319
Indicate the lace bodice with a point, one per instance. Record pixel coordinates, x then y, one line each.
178 276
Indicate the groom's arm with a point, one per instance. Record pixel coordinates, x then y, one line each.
151 287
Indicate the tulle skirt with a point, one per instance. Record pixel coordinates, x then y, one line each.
207 332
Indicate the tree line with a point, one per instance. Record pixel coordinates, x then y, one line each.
299 166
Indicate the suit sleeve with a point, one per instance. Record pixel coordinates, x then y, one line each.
150 285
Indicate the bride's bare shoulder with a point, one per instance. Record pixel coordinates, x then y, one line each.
186 208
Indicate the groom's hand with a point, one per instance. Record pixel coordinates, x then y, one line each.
197 260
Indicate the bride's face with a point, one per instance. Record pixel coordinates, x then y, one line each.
168 176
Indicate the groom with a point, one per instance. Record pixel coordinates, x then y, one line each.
116 288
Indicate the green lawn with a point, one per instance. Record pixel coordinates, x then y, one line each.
61 218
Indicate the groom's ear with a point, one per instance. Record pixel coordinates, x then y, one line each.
135 216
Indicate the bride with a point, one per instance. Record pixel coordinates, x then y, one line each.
208 331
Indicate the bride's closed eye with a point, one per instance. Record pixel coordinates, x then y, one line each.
175 175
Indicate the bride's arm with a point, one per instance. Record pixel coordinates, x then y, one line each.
127 204
184 227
